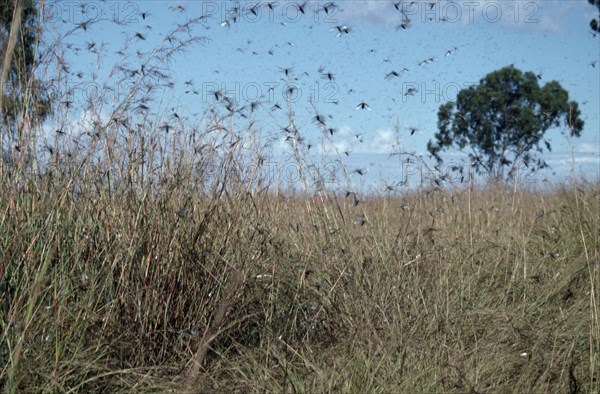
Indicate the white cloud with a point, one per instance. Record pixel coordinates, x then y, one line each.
522 14
383 141
566 161
586 147
379 141
378 13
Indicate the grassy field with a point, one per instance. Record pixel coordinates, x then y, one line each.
228 290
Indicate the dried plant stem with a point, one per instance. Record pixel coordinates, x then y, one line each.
10 48
212 331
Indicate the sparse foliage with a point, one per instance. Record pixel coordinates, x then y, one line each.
595 23
504 119
25 100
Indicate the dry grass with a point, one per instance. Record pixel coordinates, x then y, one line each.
477 291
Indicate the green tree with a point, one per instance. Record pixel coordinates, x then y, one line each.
25 99
595 23
503 119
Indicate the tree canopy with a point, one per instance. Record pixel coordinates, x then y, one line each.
503 119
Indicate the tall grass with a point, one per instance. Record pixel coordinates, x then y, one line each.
138 259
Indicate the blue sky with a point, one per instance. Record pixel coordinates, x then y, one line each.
548 37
